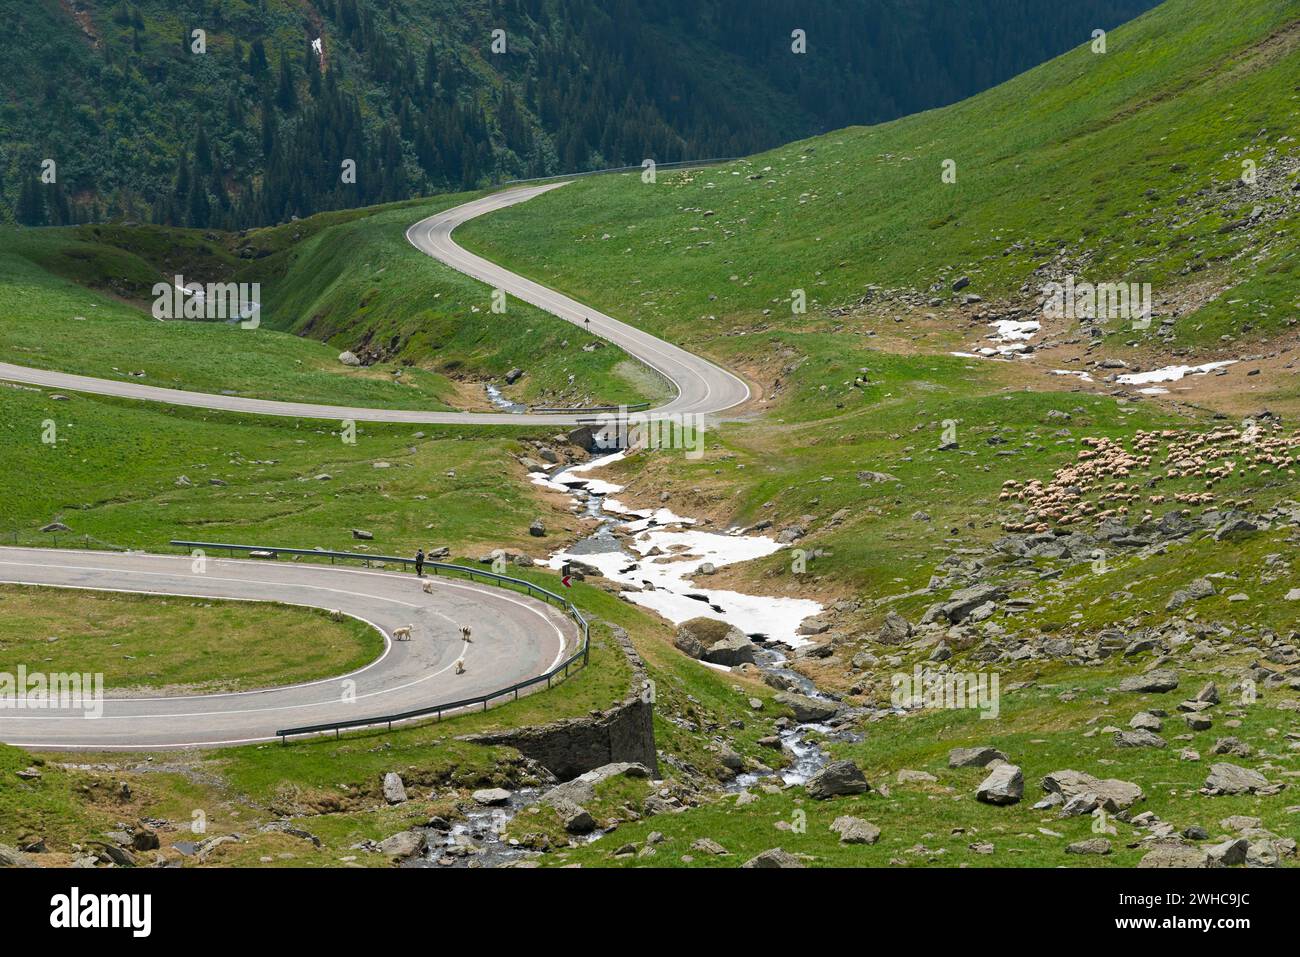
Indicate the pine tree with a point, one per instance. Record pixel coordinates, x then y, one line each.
286 96
30 210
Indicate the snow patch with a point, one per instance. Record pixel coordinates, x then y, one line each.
1171 373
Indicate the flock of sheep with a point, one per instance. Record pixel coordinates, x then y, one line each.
1121 480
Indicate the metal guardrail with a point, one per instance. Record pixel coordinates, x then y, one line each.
67 539
474 574
593 409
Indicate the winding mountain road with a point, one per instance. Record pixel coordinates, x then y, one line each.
702 387
514 638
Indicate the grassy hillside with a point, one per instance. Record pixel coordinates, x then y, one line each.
1122 166
79 299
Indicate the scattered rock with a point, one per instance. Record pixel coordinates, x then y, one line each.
974 757
714 641
1004 785
1230 779
491 797
402 844
1230 852
394 789
838 777
908 776
854 830
706 845
807 710
773 858
1111 793
1175 855
1157 681
1096 845
1139 738
582 789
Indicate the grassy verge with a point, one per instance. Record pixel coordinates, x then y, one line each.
137 475
176 645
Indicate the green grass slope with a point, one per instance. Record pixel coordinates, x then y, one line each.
1122 166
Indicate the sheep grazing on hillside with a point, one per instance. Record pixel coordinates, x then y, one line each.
1087 489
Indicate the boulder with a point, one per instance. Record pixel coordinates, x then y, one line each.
1239 822
731 651
807 710
838 777
403 844
854 830
714 641
1096 845
1175 855
908 776
1145 721
349 359
1156 682
1231 779
894 629
773 858
537 529
980 757
11 857
706 845
1139 738
964 601
577 819
1230 852
1110 793
144 839
1004 785
1262 854
582 789
394 789
491 797
583 437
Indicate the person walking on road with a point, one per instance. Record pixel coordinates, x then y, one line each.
419 563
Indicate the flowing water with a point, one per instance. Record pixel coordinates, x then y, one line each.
657 556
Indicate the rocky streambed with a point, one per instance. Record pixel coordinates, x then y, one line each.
657 559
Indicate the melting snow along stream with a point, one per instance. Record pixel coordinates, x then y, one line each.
659 572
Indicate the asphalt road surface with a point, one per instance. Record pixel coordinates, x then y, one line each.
703 388
514 638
